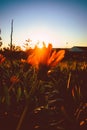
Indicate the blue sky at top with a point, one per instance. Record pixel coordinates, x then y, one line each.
60 20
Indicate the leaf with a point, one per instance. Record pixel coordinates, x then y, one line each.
18 93
26 93
69 79
82 123
7 96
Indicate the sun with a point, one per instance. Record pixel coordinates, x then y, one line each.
40 45
38 36
41 36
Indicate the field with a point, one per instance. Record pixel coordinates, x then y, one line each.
43 99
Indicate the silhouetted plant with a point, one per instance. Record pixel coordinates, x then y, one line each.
45 93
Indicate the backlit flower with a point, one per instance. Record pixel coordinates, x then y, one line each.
45 56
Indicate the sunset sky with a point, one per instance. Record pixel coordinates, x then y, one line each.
55 21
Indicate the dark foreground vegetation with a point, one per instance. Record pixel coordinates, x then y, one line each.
43 99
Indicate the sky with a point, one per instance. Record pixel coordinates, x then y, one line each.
60 22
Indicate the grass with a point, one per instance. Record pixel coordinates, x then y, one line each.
56 102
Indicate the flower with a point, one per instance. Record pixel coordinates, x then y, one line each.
45 56
2 58
43 59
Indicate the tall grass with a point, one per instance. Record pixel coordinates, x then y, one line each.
60 96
